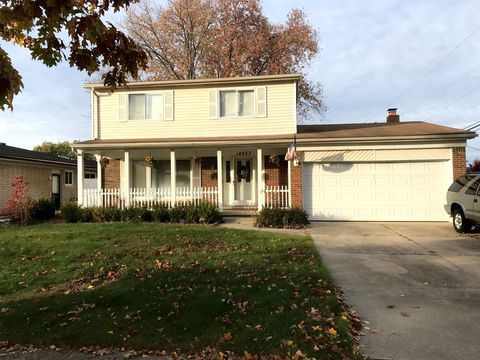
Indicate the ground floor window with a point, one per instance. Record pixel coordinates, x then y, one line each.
161 174
68 177
90 176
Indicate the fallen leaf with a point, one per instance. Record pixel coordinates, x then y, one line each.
332 331
226 337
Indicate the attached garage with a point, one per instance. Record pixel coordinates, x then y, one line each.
376 191
392 171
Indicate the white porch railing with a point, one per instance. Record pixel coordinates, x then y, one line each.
139 197
277 196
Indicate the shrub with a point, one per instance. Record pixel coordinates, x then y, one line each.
208 213
19 206
43 210
87 215
294 218
131 214
98 214
190 213
161 213
177 214
113 213
145 214
71 212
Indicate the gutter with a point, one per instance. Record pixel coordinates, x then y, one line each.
53 162
200 82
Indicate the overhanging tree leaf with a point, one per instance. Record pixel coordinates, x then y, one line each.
42 26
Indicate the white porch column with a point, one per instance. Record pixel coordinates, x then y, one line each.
80 177
148 178
126 178
99 178
260 180
220 179
173 178
289 167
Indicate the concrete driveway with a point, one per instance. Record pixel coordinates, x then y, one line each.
417 286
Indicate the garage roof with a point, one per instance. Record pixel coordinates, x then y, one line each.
409 128
11 152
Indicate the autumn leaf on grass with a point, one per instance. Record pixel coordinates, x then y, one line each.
163 266
332 331
226 337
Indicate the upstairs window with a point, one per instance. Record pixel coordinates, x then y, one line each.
237 103
145 107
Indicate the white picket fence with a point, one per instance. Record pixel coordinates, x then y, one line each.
140 197
277 197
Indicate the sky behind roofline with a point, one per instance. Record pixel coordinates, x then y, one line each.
372 52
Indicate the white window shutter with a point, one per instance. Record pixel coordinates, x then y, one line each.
122 107
169 107
212 104
196 174
261 101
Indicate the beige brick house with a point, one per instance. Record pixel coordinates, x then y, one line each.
225 140
48 176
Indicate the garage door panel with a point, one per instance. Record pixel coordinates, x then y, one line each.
376 191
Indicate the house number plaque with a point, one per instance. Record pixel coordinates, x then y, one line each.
244 153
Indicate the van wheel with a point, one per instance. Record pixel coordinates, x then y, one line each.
460 224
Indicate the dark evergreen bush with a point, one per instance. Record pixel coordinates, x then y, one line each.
43 210
294 218
71 212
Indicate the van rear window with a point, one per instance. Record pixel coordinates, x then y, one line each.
460 183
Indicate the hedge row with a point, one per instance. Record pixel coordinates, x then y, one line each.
203 213
293 218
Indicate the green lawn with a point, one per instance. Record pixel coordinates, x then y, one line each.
168 287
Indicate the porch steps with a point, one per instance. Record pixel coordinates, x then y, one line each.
239 212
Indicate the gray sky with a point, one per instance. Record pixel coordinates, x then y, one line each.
422 56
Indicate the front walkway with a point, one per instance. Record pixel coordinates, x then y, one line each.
417 286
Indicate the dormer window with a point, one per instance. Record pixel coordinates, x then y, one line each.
145 106
237 103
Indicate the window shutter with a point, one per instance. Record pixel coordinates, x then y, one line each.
122 107
212 104
261 101
168 113
196 174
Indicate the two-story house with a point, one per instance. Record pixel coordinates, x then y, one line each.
225 140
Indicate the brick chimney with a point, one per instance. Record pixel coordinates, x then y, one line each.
392 117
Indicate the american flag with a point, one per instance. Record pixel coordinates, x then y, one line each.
291 151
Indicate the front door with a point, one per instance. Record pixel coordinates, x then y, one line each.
56 190
243 181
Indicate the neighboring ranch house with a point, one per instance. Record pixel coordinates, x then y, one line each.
48 176
225 140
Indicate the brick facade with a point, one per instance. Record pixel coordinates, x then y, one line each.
458 162
111 174
296 186
39 179
275 175
209 172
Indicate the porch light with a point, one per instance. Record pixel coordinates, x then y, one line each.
196 159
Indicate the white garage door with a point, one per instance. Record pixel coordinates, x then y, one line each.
403 191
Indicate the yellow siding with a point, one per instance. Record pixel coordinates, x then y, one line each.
191 118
